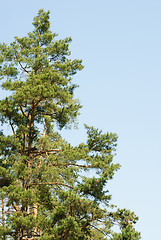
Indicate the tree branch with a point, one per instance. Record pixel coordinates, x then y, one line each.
15 207
72 164
38 153
12 126
23 67
23 111
64 234
53 183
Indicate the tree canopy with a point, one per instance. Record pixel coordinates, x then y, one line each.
49 188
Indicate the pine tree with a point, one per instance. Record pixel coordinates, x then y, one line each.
50 189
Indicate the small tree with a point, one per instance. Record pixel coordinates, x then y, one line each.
49 189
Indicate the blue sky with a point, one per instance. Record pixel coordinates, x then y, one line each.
120 86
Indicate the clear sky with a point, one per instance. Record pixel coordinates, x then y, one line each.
120 86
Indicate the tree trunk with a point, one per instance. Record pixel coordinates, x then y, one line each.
3 213
35 215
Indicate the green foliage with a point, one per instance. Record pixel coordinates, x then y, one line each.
97 235
50 189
